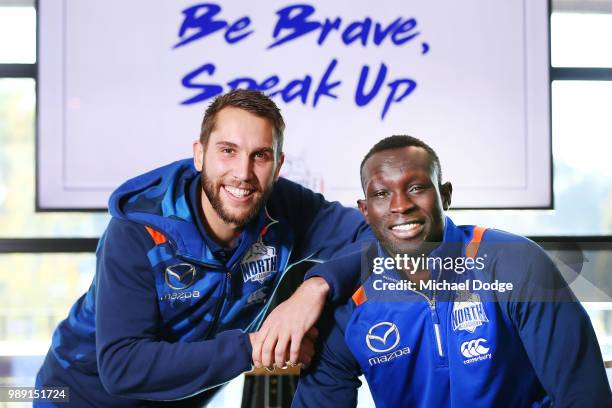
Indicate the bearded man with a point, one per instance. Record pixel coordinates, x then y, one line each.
186 268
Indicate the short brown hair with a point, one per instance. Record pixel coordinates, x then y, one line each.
254 102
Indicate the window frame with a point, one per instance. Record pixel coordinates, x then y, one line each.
75 245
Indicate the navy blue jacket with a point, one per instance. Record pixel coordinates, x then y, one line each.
166 316
459 345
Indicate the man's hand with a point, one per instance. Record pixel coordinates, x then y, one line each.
287 325
307 349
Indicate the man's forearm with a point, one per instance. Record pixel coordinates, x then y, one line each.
157 370
341 274
317 286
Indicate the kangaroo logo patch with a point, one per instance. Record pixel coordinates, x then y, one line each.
259 263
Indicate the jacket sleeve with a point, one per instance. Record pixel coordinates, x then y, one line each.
322 230
133 360
346 270
557 335
332 380
322 227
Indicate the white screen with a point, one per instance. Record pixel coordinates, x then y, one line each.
474 75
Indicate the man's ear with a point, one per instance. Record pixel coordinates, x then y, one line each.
198 155
446 191
279 164
363 207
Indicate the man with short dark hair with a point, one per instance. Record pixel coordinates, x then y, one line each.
186 268
447 315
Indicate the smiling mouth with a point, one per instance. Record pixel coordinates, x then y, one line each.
238 192
407 230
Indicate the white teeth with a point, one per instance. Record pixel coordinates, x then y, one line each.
238 192
405 227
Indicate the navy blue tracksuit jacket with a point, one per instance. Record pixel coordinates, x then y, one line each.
463 344
167 313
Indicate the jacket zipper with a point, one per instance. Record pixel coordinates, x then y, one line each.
220 303
435 319
224 292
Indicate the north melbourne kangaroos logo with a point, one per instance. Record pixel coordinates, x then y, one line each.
259 263
468 312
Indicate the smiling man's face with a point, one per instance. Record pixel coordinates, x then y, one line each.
404 204
239 165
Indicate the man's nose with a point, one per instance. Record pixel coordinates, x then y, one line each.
401 203
243 167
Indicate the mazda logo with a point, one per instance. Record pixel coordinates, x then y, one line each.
180 276
382 337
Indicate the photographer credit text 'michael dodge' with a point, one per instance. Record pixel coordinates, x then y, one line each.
457 265
499 328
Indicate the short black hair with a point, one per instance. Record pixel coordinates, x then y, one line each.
398 141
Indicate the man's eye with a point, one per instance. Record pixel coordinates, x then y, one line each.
264 156
227 150
416 188
381 194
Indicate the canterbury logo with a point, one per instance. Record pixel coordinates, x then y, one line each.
474 348
180 276
382 337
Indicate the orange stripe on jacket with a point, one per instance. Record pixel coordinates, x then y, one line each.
157 236
472 247
359 296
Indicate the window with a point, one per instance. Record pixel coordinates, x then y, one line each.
18 216
19 25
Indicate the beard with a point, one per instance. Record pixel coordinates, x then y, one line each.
212 190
